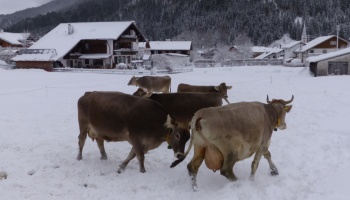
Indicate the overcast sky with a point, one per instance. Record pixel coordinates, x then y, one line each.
11 6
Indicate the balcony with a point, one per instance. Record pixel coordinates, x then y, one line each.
126 51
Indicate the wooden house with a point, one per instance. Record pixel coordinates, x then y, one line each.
12 40
320 45
84 45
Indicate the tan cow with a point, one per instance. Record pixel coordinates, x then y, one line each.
152 83
115 116
225 135
221 89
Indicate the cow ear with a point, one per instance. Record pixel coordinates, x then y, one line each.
216 87
288 108
170 122
229 87
147 94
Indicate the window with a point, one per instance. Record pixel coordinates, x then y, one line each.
333 42
87 61
324 51
311 51
87 46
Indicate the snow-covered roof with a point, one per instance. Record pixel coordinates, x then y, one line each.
12 38
314 42
329 55
258 49
266 54
34 57
59 39
291 44
168 45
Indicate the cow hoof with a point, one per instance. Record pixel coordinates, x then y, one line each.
103 157
120 170
274 172
79 157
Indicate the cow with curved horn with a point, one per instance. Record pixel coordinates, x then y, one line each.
222 136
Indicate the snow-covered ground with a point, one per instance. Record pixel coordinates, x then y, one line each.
39 144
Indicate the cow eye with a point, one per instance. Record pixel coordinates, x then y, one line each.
177 136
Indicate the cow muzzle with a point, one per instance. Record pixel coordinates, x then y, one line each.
178 155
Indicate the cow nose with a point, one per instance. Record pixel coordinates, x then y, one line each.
178 155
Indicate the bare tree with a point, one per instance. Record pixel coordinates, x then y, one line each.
243 45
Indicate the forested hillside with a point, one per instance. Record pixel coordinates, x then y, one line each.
207 22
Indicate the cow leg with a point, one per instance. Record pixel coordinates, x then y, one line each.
256 160
227 167
194 164
100 144
140 155
273 168
82 138
127 160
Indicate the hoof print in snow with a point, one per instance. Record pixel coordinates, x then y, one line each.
3 175
31 172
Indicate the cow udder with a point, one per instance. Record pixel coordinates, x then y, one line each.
213 158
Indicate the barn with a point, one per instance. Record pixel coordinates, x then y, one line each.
333 63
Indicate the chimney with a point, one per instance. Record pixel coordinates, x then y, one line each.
70 29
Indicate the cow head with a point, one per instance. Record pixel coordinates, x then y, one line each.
222 89
178 136
141 93
281 108
133 81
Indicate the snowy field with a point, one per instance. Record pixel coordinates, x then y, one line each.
39 140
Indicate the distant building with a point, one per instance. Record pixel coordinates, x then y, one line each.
84 45
168 47
14 40
320 45
333 63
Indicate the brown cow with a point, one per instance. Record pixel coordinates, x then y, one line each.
115 116
225 135
152 83
221 89
182 106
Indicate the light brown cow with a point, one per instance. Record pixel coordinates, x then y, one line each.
115 116
152 83
225 135
221 89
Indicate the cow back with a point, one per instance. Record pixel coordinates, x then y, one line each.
182 106
155 83
116 116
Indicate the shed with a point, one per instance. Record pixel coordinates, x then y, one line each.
333 63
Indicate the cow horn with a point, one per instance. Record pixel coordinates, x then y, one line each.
267 99
290 101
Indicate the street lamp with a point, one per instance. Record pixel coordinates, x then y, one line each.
338 29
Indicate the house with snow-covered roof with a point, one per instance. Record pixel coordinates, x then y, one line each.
273 53
333 63
320 45
84 45
13 40
289 50
182 48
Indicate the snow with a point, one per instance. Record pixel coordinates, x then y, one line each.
39 144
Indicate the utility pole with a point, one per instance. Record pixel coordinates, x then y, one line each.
338 29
